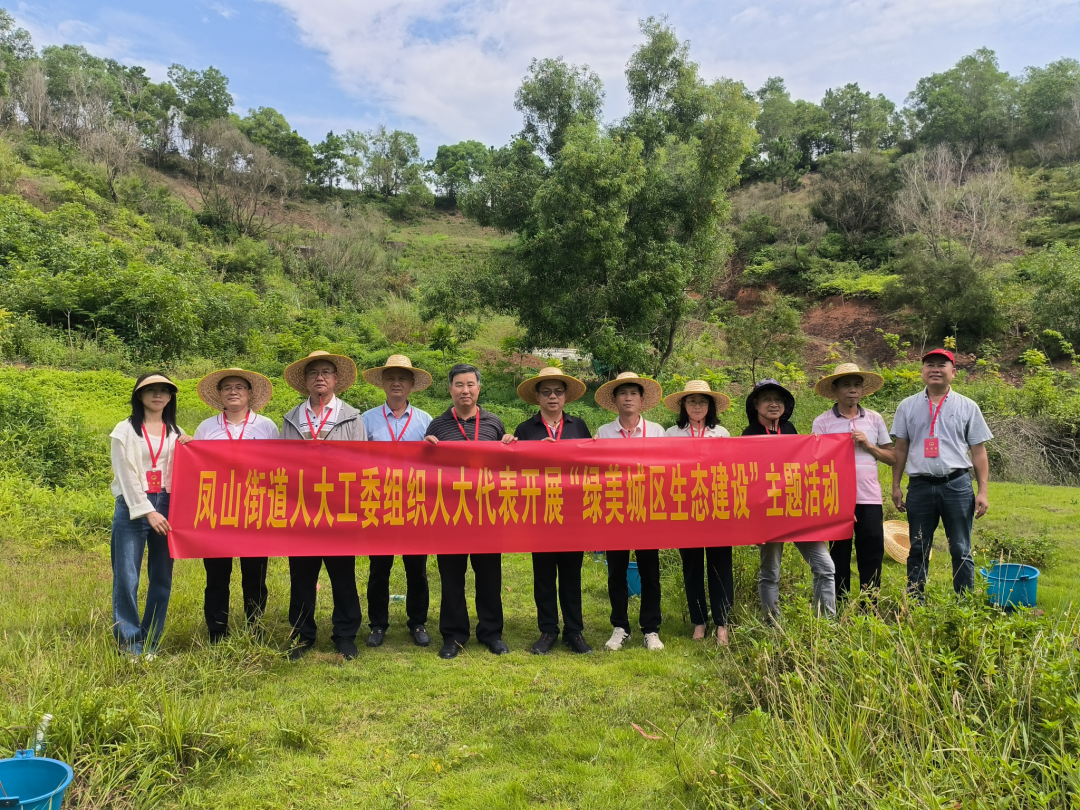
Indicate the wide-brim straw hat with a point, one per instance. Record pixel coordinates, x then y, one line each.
898 540
421 379
262 390
872 381
575 388
346 371
605 394
157 378
672 401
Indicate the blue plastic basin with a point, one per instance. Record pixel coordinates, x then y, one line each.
1011 584
38 782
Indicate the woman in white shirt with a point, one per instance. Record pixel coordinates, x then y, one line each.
142 460
698 407
238 395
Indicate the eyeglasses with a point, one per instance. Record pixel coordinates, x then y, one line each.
313 374
228 389
551 392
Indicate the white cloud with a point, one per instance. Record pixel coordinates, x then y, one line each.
449 68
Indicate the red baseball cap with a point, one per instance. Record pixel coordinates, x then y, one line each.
943 352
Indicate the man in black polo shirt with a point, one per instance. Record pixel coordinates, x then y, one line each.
556 574
466 421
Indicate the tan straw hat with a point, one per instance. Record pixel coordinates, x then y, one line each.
421 379
871 382
605 394
261 388
346 371
575 388
672 401
157 378
898 540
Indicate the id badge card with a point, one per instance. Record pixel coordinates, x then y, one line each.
930 447
153 481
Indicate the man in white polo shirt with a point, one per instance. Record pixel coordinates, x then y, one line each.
848 385
940 437
630 396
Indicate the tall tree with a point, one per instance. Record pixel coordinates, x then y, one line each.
457 166
267 127
1050 104
393 161
553 97
973 102
205 94
623 223
329 160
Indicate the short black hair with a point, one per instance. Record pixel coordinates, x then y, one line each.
638 386
463 368
543 380
237 376
859 377
710 415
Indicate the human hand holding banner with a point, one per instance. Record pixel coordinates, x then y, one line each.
282 498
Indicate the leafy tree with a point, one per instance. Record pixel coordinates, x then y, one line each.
793 136
458 166
329 160
771 333
1050 104
16 50
1055 304
502 197
859 120
393 161
553 97
622 224
205 94
973 102
944 296
267 127
854 195
354 160
157 116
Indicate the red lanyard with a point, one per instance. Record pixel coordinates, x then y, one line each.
692 436
547 427
228 430
461 427
770 433
626 434
387 418
935 414
322 424
154 456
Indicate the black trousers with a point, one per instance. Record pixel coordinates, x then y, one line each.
557 574
712 564
216 595
454 611
869 550
417 597
649 568
303 577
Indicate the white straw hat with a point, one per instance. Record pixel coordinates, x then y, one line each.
672 401
421 379
605 394
261 388
575 388
872 381
346 371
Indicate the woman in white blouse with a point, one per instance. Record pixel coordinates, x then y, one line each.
142 463
698 406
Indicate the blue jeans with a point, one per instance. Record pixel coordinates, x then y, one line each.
129 539
953 504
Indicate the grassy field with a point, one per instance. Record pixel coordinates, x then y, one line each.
238 726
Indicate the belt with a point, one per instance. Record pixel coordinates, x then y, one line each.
942 479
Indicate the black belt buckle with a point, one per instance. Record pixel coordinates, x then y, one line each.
942 479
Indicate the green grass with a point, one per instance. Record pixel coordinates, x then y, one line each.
238 726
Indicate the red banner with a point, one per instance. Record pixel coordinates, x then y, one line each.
281 498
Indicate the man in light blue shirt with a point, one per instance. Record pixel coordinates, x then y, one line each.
397 421
940 438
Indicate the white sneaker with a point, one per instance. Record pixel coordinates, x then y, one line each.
653 642
618 637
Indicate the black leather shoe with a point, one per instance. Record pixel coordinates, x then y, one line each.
544 644
376 637
420 636
347 648
449 650
498 647
576 642
300 650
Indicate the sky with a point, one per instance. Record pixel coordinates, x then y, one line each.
447 70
